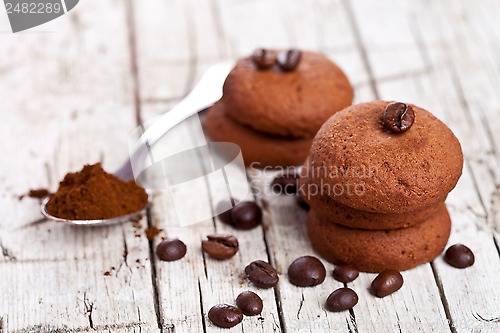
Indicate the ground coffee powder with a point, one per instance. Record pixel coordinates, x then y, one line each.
38 193
93 194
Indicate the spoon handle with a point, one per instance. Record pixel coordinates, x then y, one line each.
207 91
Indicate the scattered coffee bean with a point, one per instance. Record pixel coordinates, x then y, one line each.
306 271
459 256
246 215
220 246
341 299
225 315
262 274
289 60
222 206
249 303
285 184
345 273
264 58
398 117
302 203
171 250
386 283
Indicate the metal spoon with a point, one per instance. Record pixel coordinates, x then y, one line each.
102 222
206 92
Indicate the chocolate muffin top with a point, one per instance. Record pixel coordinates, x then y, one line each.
356 161
293 103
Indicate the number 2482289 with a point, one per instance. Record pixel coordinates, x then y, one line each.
33 8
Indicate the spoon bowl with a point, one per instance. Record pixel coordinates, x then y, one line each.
100 222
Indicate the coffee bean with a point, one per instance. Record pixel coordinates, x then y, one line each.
225 315
306 271
302 203
263 58
246 215
171 250
285 184
262 274
220 246
341 299
249 303
398 117
345 273
289 60
386 283
459 256
225 216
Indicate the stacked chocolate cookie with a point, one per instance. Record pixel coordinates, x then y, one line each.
376 179
274 102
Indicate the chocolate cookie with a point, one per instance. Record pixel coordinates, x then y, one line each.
261 148
379 250
330 210
291 103
356 161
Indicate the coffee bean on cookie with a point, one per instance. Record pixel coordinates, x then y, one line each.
225 315
345 273
263 58
341 299
459 256
249 303
306 271
220 246
262 274
289 60
398 117
386 283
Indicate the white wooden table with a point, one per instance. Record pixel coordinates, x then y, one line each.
72 90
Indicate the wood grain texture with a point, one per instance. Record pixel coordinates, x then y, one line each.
74 90
66 101
442 88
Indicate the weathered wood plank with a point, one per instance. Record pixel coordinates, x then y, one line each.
305 27
173 38
394 315
286 235
211 281
419 51
226 279
230 13
431 38
176 284
67 95
208 281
